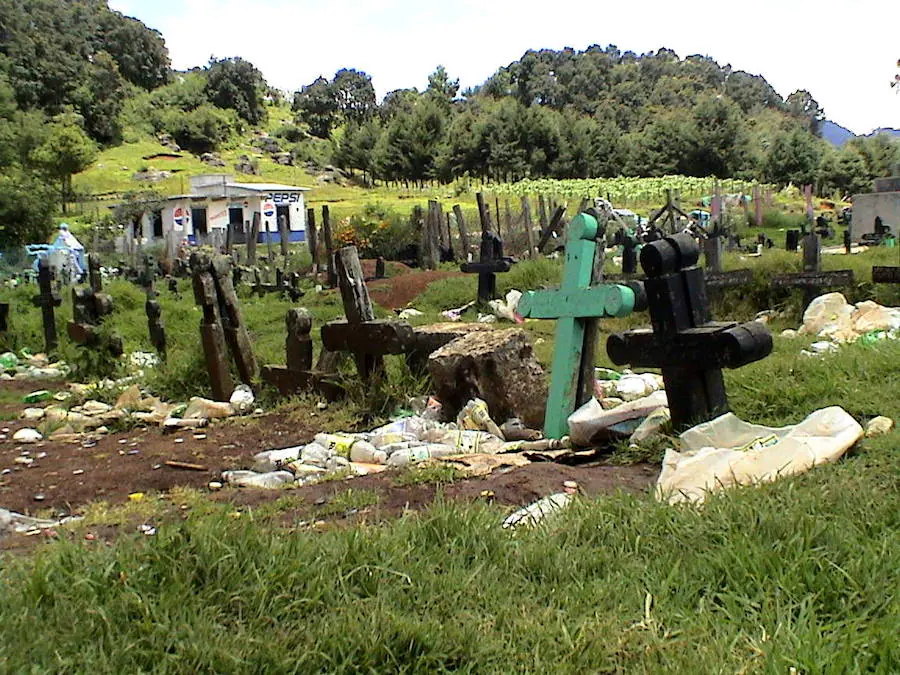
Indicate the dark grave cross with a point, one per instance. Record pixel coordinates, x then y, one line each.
671 211
716 276
89 307
630 247
298 375
212 335
684 342
552 228
155 325
47 300
574 305
4 317
368 339
491 262
792 240
813 279
885 274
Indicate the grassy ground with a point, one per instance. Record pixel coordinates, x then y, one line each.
798 574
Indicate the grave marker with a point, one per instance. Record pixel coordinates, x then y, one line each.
491 262
812 279
716 277
4 317
298 374
89 307
155 325
690 348
47 300
572 305
361 334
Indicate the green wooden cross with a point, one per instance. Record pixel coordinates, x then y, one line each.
572 305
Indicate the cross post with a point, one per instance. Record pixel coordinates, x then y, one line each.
47 300
572 305
684 342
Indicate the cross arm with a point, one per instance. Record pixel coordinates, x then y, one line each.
502 265
370 337
595 301
716 345
814 279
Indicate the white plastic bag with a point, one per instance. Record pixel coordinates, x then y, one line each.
728 451
591 419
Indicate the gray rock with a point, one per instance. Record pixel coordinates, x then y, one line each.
497 366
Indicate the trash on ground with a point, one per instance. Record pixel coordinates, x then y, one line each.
506 309
242 399
537 512
12 522
591 420
879 426
27 436
728 451
409 313
832 318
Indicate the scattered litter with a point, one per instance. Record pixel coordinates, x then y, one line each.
207 409
533 514
214 485
148 530
514 429
487 318
199 437
728 451
832 318
879 426
173 464
77 472
136 496
409 313
651 427
273 479
27 436
11 522
456 314
37 396
242 399
591 420
475 416
506 309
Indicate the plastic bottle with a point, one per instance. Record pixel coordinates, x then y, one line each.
273 479
316 454
344 444
413 455
536 512
366 453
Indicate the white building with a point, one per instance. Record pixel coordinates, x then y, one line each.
216 202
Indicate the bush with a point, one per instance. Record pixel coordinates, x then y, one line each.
376 232
200 130
778 220
291 133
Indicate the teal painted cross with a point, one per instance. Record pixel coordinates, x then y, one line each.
572 305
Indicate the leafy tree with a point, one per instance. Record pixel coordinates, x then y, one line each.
236 84
792 158
441 87
27 205
199 130
803 106
354 95
721 140
100 99
139 52
317 107
398 101
66 151
751 92
843 170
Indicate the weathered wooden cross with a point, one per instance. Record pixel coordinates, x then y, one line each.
47 300
222 326
155 325
573 305
89 307
368 339
812 279
716 277
690 348
298 375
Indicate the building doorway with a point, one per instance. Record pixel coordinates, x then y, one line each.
198 218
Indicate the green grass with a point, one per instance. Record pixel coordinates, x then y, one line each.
797 574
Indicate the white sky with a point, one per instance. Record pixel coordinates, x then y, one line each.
844 53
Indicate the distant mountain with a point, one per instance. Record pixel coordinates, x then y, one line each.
835 134
886 130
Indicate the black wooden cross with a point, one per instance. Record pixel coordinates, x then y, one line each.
812 279
89 307
368 339
491 263
690 348
47 300
716 277
4 317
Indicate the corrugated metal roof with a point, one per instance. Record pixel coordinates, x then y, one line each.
268 187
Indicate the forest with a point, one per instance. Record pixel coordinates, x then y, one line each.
76 77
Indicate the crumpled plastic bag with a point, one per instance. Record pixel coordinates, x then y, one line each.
728 451
476 416
242 399
590 420
506 309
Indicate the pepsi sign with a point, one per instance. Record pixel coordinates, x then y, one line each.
268 209
179 216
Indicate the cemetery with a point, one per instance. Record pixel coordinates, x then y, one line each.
587 367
